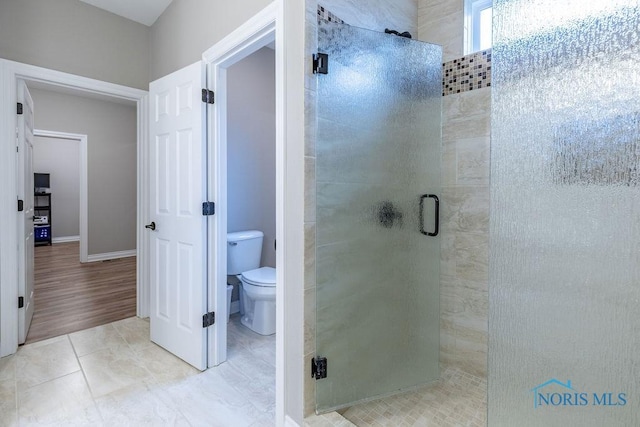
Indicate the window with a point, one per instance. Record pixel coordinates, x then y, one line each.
478 25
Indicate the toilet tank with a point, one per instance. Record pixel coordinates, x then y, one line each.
244 249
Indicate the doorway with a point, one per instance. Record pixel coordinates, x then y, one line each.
251 209
85 273
71 161
72 290
15 72
225 76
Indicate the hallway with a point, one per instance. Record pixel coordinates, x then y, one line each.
70 296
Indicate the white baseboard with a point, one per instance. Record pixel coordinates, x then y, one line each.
65 239
111 255
288 422
235 307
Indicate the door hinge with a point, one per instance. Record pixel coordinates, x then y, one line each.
208 208
20 205
319 368
208 97
208 319
20 302
320 63
19 107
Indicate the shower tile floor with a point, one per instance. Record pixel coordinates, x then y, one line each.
113 375
456 399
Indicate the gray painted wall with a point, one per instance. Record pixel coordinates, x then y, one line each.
251 150
399 15
111 150
74 37
61 159
189 27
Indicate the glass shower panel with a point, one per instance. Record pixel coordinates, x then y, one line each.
564 323
378 152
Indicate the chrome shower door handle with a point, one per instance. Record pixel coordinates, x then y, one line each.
436 214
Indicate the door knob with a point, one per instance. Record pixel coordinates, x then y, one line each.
151 226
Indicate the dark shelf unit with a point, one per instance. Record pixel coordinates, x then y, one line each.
42 230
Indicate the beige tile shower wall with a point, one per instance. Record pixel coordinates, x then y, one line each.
466 122
466 129
441 22
376 15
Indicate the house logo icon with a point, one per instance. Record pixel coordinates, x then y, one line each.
539 396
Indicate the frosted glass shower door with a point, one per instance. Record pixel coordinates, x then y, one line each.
378 175
564 323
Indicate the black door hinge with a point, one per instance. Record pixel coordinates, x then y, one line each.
208 319
20 302
208 96
320 63
20 205
319 368
208 208
19 108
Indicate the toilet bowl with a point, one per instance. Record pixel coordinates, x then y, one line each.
259 298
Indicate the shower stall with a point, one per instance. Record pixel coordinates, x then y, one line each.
378 248
564 263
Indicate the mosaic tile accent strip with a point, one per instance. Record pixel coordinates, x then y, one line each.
470 72
325 15
456 399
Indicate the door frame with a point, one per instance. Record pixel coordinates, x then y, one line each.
26 269
254 35
84 178
272 24
10 73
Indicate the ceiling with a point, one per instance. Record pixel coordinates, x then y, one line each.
143 11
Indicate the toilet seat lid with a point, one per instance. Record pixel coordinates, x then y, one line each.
263 276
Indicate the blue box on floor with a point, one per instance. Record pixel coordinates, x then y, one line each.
42 233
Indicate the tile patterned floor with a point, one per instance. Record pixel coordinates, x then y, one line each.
457 399
113 375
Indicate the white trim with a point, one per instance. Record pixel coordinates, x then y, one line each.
84 192
290 115
472 9
111 255
282 22
256 33
10 72
65 239
288 422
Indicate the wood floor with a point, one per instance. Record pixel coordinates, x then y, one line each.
70 296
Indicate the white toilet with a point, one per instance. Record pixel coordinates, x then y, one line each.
258 293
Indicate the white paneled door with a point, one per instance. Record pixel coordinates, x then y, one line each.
177 227
25 217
